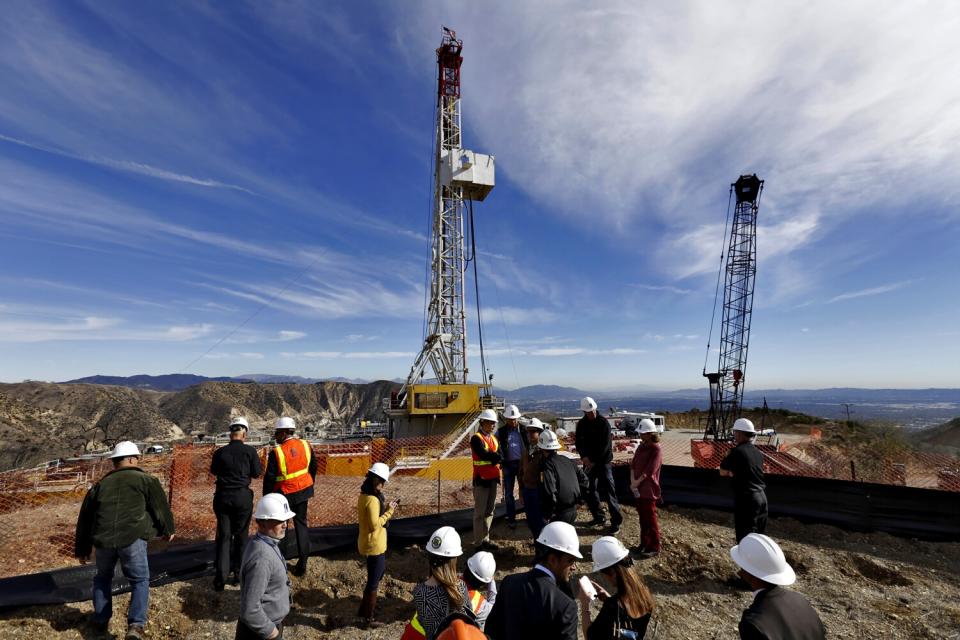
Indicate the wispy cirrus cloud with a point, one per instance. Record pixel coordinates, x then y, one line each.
347 355
870 291
243 355
97 329
126 165
661 287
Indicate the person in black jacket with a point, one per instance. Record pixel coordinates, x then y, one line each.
745 464
560 483
594 443
776 613
233 465
539 603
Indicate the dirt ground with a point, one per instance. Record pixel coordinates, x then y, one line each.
863 585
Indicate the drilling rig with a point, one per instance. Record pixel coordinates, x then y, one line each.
739 271
449 402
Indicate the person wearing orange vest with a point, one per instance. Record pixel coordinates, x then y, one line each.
444 593
291 471
485 451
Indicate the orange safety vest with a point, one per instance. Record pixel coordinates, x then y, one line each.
415 630
293 463
484 469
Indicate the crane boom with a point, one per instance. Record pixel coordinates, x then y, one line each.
728 382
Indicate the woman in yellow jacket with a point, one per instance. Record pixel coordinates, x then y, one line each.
373 515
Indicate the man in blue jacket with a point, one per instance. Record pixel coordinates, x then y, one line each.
119 514
513 445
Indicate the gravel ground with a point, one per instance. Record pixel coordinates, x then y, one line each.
863 585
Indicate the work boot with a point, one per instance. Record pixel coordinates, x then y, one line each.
300 569
598 521
134 632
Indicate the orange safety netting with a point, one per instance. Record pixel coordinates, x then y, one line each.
39 507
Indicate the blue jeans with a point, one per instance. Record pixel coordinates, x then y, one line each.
133 563
511 468
531 504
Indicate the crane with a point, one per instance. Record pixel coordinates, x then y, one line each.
739 272
461 177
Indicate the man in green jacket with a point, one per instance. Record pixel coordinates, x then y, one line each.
119 514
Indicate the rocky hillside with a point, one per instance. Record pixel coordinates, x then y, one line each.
208 407
943 437
41 421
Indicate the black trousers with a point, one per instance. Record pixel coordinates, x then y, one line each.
602 488
565 514
233 510
299 538
376 567
749 513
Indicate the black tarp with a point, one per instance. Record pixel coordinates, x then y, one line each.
184 562
926 514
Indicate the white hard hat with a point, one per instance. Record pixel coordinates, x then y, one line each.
742 424
561 433
445 542
763 558
647 426
607 551
562 537
548 441
588 404
239 421
534 423
285 424
273 506
489 415
511 412
125 449
380 470
482 565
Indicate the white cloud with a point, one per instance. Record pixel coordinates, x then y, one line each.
514 316
286 335
126 165
629 117
93 328
245 355
349 355
662 287
872 291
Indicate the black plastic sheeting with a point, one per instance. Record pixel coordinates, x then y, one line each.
75 584
926 514
858 506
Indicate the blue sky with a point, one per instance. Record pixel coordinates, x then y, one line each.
233 188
